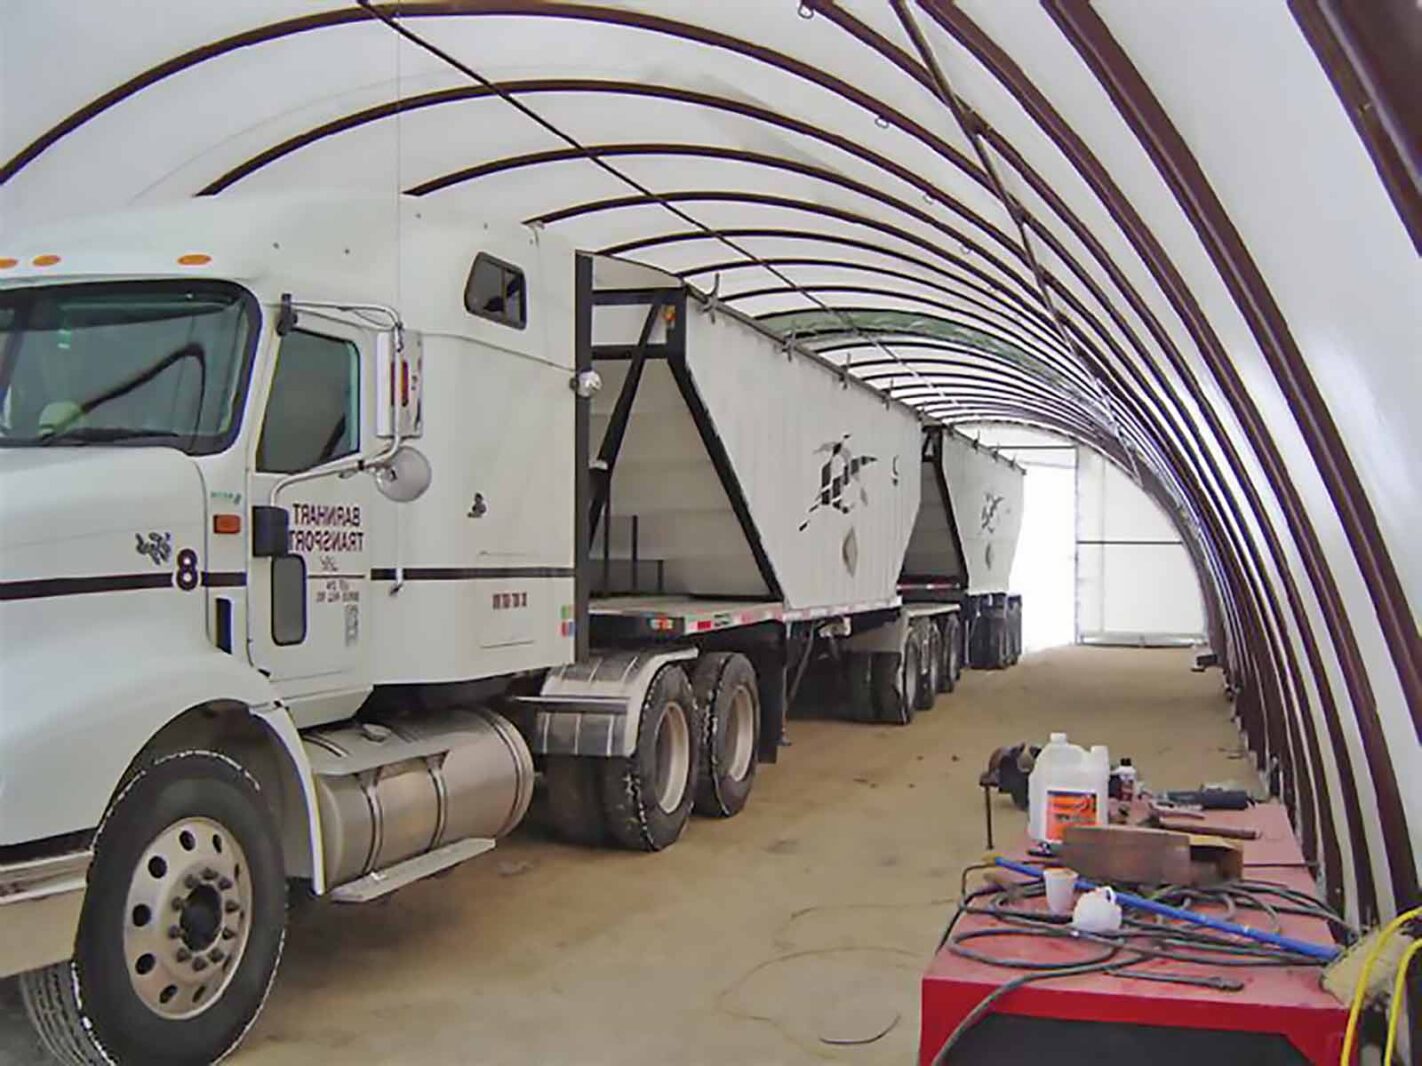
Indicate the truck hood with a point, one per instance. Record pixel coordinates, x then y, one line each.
77 511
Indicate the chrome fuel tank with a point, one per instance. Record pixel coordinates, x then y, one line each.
392 790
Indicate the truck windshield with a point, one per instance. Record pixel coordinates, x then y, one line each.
134 363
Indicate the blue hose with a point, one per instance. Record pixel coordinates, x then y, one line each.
1140 903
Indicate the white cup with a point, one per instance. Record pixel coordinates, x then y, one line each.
1061 888
1098 912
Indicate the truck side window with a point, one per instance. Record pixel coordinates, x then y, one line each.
313 412
495 290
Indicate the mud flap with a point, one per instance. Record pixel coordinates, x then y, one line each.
770 672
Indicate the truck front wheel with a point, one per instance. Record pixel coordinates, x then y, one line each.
182 927
647 796
729 700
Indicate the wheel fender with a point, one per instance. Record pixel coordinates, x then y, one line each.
594 707
278 722
83 710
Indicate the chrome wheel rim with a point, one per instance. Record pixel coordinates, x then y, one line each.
673 757
187 918
740 734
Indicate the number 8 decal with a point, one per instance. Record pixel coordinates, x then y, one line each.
187 570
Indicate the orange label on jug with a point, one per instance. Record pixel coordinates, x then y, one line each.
1068 808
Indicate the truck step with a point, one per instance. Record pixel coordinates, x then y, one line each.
378 883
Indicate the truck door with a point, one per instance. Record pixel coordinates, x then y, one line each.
314 415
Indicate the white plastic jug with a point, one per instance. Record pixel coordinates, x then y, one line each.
1068 784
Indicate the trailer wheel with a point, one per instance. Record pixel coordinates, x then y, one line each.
182 926
729 701
945 654
862 704
931 679
574 805
951 650
647 797
893 700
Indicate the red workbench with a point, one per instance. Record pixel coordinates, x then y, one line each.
1204 1025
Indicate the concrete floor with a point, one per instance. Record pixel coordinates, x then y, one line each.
810 915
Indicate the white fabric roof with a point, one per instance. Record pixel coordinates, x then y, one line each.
1153 225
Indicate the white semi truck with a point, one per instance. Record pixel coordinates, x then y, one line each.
327 526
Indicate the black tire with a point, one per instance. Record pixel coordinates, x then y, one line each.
574 800
946 681
859 686
645 800
87 1010
892 700
952 652
728 700
931 676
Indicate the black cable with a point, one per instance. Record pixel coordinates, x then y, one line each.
1139 941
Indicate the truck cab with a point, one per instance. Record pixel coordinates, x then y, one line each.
259 472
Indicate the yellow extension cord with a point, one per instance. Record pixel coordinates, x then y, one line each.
1394 1010
1350 1035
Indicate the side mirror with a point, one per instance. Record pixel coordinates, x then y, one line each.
288 599
405 476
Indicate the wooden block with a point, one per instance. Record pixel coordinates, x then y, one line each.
1127 853
1214 859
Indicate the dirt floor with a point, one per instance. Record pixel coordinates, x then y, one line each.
809 916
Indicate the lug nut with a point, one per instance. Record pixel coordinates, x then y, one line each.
177 904
190 882
209 874
174 932
231 906
216 955
225 883
228 934
199 964
183 955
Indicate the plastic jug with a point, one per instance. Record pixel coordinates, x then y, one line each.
1068 784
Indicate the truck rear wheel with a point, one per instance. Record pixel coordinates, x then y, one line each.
647 797
729 701
182 927
890 672
574 804
931 678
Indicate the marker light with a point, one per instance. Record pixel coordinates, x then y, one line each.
45 260
227 523
194 259
6 263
